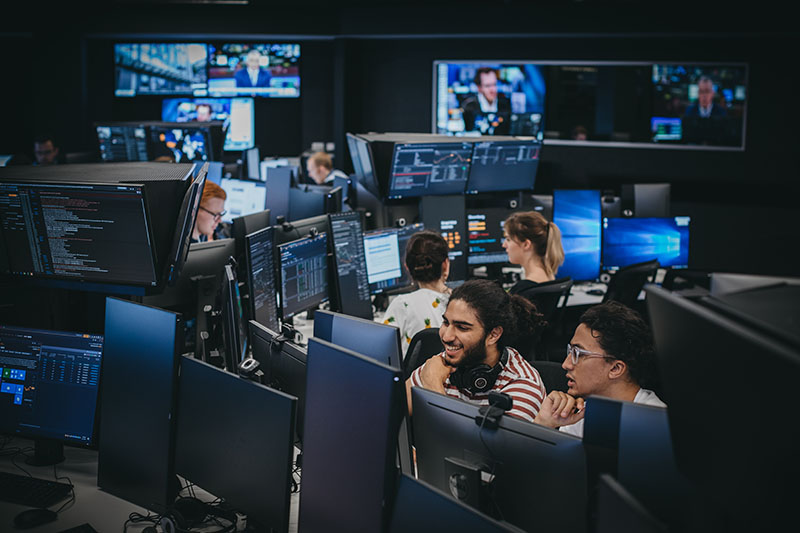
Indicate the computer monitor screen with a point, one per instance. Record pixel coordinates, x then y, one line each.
485 235
429 169
363 163
159 68
234 334
260 253
577 215
367 337
138 381
699 104
334 200
279 186
346 185
350 265
91 232
183 142
382 255
627 241
49 382
449 443
304 274
245 225
503 166
446 215
237 114
122 142
253 475
488 98
243 197
344 431
254 69
619 510
403 234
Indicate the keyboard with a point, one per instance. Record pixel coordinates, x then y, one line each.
31 491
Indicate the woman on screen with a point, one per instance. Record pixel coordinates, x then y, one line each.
428 265
535 244
210 213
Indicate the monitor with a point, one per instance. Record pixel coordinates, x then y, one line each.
382 257
261 285
577 214
334 200
283 363
122 141
185 226
419 506
503 166
234 334
139 380
367 337
753 465
446 214
647 199
461 106
83 232
49 382
306 203
485 235
244 225
349 265
236 443
403 234
181 142
363 163
346 185
355 425
619 510
627 241
254 69
159 68
278 188
290 231
5 158
421 169
243 197
303 274
453 449
237 114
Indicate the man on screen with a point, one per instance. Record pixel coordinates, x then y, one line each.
705 122
253 75
203 113
488 111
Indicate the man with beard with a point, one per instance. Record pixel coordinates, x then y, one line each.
478 325
611 355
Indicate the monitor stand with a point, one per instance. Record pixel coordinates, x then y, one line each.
46 452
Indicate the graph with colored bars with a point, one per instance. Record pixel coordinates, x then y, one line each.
7 387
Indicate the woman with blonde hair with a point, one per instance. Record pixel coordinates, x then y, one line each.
534 243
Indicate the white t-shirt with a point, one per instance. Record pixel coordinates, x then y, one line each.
644 396
414 312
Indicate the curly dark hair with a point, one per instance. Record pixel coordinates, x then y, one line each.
624 335
516 314
426 252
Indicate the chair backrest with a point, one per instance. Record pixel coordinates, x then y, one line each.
628 282
547 295
553 376
424 344
682 278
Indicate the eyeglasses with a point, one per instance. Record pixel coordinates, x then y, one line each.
216 215
576 353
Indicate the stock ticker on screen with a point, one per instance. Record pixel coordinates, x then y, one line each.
429 168
627 241
80 232
578 213
160 68
503 166
347 239
261 277
304 274
485 236
49 382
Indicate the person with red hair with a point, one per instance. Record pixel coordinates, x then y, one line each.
210 212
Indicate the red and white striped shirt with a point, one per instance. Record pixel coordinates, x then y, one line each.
518 379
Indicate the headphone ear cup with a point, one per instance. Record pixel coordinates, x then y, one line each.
173 522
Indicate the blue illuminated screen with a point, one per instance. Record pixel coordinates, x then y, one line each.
237 113
577 213
627 241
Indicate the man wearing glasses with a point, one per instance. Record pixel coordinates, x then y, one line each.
611 354
210 213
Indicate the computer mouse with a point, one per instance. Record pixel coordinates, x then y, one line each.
596 292
34 517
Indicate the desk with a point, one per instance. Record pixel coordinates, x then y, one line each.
103 511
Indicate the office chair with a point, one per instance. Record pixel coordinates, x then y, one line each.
424 344
546 297
684 278
553 376
628 282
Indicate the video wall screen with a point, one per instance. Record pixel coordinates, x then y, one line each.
266 70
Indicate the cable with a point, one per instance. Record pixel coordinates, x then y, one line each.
71 501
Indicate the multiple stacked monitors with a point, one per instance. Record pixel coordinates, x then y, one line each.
634 240
503 166
204 69
49 381
236 113
352 285
577 213
260 253
303 274
243 197
485 236
489 98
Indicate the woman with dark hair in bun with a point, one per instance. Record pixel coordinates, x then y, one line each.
428 266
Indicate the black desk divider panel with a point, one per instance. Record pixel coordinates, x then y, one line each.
619 511
446 215
234 439
353 410
137 403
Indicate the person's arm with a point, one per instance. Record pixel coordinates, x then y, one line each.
560 409
432 375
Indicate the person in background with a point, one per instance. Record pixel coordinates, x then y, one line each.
705 122
611 354
45 150
209 213
204 113
253 74
488 104
319 167
428 266
478 327
535 244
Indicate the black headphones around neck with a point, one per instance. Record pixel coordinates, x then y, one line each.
480 378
